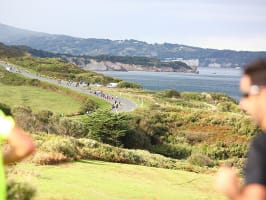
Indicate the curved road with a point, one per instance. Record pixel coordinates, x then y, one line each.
125 104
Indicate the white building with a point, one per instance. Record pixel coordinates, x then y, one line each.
112 85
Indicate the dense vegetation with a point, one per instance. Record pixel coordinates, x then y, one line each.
175 130
177 125
6 51
211 129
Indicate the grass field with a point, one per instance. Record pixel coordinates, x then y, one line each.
38 99
97 180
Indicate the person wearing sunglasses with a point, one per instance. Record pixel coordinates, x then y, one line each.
19 145
253 101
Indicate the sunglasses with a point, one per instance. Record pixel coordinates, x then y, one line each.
253 90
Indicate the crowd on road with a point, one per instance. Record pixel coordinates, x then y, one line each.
114 100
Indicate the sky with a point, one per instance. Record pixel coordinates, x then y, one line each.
218 24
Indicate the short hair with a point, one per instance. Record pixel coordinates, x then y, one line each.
256 70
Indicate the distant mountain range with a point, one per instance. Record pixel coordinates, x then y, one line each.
166 52
99 63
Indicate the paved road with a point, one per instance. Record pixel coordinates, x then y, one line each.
124 106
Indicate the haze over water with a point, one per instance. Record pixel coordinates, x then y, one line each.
225 80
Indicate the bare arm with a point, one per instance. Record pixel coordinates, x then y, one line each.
228 184
21 145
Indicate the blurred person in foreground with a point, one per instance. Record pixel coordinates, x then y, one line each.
19 143
253 101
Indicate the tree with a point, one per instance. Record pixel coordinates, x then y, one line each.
106 126
88 106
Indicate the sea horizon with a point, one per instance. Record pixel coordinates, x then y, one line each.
209 79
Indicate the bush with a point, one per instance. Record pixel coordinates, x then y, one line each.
193 137
228 107
64 145
94 150
178 151
124 84
200 160
69 127
91 149
136 140
245 126
88 106
49 158
172 94
5 108
221 151
235 162
19 191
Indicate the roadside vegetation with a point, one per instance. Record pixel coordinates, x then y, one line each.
59 69
187 131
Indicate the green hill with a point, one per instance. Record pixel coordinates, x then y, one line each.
97 180
93 47
6 51
185 131
16 90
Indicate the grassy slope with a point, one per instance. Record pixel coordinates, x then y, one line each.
38 99
97 180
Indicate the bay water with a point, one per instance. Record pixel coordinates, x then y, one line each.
224 80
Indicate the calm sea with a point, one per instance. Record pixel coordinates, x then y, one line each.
208 80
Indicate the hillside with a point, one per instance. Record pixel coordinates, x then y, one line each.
195 132
90 179
113 63
91 46
6 51
51 67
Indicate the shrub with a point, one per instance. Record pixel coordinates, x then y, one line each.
245 126
136 139
19 191
65 145
70 127
172 94
49 158
223 151
95 150
178 151
228 107
200 160
124 84
194 137
5 108
88 106
192 96
216 151
24 117
91 149
235 162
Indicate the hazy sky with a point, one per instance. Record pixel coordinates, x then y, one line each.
220 24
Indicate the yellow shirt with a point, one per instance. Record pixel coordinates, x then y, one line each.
6 125
2 177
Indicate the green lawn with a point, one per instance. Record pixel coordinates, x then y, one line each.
38 99
97 180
